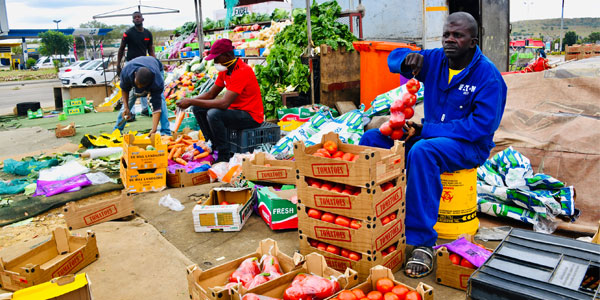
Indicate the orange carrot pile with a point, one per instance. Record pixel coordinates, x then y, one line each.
182 150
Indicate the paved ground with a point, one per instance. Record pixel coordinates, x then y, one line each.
14 92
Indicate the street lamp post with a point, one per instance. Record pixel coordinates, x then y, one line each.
56 21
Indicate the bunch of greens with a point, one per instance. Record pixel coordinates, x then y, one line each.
284 70
185 30
279 14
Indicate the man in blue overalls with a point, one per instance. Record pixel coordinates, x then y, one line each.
464 102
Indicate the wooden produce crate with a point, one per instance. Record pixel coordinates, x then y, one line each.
82 216
270 170
393 261
370 204
61 255
373 166
340 76
137 157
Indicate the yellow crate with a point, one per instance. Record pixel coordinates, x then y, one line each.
138 158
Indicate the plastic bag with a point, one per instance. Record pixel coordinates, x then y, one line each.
348 126
171 203
14 186
251 296
246 272
382 103
307 286
270 265
284 147
99 178
62 172
469 251
23 168
51 188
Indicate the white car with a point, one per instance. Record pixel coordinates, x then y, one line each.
91 73
72 67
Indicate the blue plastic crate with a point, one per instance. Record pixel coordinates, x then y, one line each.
246 140
238 52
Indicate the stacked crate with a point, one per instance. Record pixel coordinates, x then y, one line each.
372 201
144 163
74 106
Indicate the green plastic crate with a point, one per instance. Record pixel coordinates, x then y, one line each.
74 110
35 114
73 102
194 46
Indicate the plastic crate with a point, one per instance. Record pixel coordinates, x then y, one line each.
73 102
239 52
194 46
530 265
246 140
35 114
74 110
189 54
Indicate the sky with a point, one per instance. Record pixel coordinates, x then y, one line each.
38 14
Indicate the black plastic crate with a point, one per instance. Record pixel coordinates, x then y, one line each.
530 265
246 140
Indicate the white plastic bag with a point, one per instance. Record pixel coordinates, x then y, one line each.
170 202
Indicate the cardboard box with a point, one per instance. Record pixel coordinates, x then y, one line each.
182 179
138 158
276 209
64 131
393 261
211 216
371 238
82 216
370 204
68 287
449 274
596 238
378 272
252 51
139 181
209 284
373 166
315 264
279 171
61 255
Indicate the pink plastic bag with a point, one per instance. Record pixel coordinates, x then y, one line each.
469 251
51 188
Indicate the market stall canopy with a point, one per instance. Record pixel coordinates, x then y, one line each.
34 33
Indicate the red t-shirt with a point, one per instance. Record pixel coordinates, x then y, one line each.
242 81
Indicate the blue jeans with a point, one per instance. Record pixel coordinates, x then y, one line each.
214 123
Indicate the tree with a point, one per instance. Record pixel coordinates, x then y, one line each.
593 37
54 43
18 50
570 38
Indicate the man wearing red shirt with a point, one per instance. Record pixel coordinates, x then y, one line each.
240 108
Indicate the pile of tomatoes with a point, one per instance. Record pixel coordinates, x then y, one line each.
330 150
341 188
400 111
344 221
335 250
461 261
385 290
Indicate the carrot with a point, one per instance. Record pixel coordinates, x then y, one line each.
181 161
201 155
187 137
188 142
178 140
196 152
178 120
177 153
173 146
171 154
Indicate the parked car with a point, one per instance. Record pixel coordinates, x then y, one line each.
91 73
72 67
47 62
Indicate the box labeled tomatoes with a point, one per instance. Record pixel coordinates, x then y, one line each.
361 262
353 165
352 234
381 279
327 282
259 168
361 203
211 283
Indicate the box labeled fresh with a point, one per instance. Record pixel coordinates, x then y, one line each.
226 209
276 208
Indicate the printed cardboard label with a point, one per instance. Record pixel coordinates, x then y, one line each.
330 170
337 263
463 279
329 201
271 174
333 234
395 261
384 205
69 265
388 235
100 214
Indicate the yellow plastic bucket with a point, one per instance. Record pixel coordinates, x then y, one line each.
458 205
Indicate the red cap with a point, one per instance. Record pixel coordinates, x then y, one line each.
219 47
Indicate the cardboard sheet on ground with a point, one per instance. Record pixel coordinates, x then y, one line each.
552 117
135 262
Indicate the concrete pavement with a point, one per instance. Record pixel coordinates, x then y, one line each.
14 92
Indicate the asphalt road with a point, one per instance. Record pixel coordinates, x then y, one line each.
26 91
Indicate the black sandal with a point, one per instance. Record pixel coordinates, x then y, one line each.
419 261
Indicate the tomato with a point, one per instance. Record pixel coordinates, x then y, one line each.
375 295
348 156
412 295
327 186
342 221
331 147
455 259
359 293
385 220
401 291
314 213
384 252
390 296
345 253
347 192
313 243
319 154
324 152
384 285
357 192
337 158
409 100
316 184
346 295
386 186
333 249
413 86
355 158
397 134
386 128
328 217
467 264
392 216
338 154
397 121
224 203
355 224
338 188
409 112
322 246
354 256
397 106
391 249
